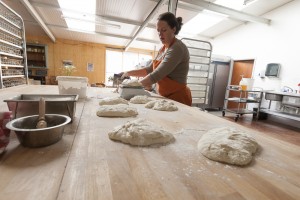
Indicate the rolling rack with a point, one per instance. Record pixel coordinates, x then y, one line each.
12 48
200 59
244 97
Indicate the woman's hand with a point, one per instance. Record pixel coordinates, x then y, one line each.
124 75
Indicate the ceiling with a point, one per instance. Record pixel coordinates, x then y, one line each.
131 23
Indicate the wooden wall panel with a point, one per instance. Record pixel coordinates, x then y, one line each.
80 53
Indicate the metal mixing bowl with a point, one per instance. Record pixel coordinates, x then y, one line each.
30 136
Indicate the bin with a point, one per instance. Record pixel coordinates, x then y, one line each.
72 85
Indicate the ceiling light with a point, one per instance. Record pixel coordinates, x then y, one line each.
201 22
236 4
87 6
88 21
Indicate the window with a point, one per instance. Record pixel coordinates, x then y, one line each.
117 62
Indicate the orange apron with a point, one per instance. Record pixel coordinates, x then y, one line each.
172 89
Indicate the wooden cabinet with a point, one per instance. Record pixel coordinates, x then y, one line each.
37 62
13 69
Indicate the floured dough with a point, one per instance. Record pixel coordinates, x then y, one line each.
112 101
140 99
228 145
119 110
141 132
132 83
162 105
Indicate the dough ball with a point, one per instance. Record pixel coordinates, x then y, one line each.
112 101
141 132
131 83
140 99
162 105
228 145
119 110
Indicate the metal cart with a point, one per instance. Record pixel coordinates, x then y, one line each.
242 98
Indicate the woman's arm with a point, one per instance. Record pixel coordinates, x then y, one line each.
139 72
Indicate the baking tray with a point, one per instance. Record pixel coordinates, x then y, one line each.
28 104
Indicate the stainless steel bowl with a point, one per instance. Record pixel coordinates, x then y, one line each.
30 136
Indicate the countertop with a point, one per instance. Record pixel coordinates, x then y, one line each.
283 93
86 164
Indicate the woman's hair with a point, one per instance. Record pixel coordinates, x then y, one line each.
171 20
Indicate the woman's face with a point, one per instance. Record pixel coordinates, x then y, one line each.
165 32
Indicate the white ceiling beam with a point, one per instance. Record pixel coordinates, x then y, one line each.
141 28
37 17
173 6
224 10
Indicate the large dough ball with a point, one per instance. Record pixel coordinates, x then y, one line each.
228 145
119 110
162 105
141 132
112 101
140 99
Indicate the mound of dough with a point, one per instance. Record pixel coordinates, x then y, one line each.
112 101
119 110
228 145
131 83
141 132
162 105
140 99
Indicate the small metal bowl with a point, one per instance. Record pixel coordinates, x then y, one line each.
30 136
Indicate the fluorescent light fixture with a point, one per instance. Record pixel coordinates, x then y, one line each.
87 20
201 22
87 6
207 19
236 4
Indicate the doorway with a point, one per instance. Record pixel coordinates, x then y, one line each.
241 68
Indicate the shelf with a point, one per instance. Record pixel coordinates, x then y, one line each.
42 68
36 56
13 76
199 65
15 66
11 44
281 114
12 23
242 100
13 59
240 111
11 55
6 31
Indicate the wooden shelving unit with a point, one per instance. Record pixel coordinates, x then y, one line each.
37 62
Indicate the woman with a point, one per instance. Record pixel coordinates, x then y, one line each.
170 68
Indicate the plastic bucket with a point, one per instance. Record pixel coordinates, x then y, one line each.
249 82
72 85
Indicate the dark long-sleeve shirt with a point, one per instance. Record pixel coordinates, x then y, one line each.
175 64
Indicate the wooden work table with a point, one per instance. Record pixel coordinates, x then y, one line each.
86 164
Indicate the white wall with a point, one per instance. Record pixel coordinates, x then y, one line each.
278 42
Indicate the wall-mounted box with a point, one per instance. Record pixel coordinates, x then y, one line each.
272 70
